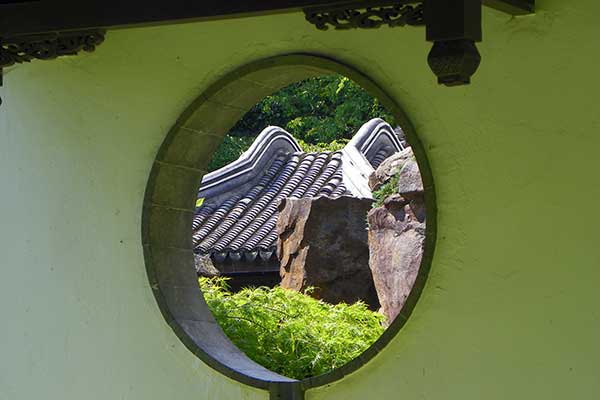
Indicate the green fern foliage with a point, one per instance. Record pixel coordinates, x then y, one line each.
289 332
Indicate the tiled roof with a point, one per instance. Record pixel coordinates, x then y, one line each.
238 216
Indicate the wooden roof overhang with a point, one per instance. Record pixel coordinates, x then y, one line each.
46 29
20 17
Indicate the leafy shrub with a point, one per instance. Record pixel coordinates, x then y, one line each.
319 147
289 332
316 110
231 149
387 189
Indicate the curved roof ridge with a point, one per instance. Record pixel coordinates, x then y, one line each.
356 172
372 137
374 141
271 141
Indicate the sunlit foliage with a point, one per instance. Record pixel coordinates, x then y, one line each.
289 332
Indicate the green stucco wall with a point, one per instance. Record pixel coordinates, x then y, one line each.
510 307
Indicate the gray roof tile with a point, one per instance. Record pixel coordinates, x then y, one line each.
238 217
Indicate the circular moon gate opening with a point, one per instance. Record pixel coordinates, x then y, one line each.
170 206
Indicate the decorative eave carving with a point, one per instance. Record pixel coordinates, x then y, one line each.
369 18
47 46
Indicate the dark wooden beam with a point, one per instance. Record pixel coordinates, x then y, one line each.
61 15
514 7
18 17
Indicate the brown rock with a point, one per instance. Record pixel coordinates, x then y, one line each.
205 266
410 180
323 243
396 240
390 167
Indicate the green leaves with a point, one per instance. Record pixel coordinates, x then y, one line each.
231 149
317 111
319 147
341 85
289 332
387 189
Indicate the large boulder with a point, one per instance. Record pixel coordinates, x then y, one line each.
323 243
397 234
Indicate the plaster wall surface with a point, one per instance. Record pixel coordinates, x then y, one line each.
510 306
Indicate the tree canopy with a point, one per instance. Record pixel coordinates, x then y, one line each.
322 113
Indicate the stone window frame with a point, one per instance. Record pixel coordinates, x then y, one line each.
169 206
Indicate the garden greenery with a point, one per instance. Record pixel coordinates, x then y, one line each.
290 332
322 113
387 189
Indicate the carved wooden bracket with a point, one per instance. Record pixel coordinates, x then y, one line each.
47 46
370 17
453 25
